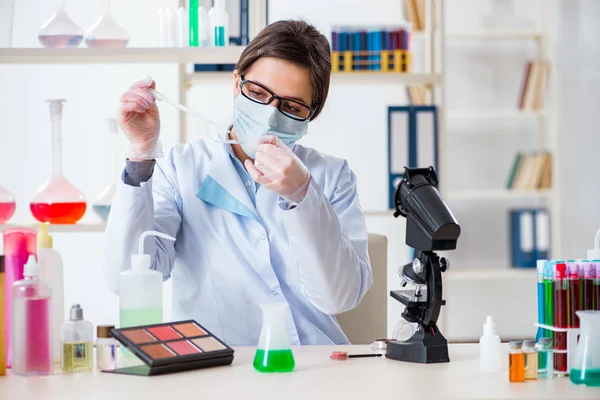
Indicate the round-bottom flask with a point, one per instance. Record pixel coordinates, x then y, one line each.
7 205
60 31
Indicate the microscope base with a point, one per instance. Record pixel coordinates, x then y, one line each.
423 348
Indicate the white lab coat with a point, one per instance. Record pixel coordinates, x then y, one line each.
230 255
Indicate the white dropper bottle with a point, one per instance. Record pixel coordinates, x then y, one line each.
490 352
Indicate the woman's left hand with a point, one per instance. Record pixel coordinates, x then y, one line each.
277 168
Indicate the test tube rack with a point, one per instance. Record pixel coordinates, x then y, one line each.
572 338
371 61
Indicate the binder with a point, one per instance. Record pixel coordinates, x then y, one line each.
412 142
530 236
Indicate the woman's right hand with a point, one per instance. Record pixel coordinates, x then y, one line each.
139 119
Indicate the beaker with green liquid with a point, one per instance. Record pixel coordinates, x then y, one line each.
273 353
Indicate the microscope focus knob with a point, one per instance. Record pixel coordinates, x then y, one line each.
444 264
417 266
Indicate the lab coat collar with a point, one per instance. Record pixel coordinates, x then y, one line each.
223 187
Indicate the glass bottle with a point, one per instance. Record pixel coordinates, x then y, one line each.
545 358
31 345
106 32
274 353
531 360
104 200
516 362
60 31
106 353
7 205
76 336
57 201
586 363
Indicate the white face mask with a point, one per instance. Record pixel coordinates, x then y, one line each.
253 120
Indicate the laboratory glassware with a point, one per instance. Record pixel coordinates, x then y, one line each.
19 244
490 350
7 8
106 32
545 357
104 200
60 31
531 359
193 23
57 201
161 97
585 368
31 298
274 353
516 362
106 345
7 204
561 291
219 20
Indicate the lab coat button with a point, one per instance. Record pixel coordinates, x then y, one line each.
274 293
263 237
248 184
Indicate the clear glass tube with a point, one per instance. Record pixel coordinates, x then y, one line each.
106 31
60 31
7 204
57 201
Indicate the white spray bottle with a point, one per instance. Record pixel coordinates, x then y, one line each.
140 289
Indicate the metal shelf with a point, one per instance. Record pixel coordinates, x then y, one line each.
496 194
189 55
70 228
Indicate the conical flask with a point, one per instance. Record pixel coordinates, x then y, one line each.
106 32
57 201
104 200
274 353
7 205
60 31
585 368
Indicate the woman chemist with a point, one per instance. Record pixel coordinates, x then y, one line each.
263 221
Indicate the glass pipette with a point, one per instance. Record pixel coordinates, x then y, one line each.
162 97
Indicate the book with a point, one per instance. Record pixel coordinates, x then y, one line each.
513 171
534 82
524 84
530 171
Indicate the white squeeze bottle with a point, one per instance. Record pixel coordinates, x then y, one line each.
51 272
140 289
490 351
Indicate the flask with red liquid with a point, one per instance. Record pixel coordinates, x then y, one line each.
7 205
57 201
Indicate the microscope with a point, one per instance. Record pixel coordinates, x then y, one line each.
430 226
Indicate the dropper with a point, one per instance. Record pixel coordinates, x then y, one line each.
159 96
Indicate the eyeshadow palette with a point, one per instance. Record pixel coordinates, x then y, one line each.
172 347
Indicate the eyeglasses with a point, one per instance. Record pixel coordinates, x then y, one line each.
290 108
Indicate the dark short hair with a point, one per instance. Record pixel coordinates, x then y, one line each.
299 43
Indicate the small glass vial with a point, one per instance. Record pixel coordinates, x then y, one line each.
531 360
516 362
76 336
545 358
106 358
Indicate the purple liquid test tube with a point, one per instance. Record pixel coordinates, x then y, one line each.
19 243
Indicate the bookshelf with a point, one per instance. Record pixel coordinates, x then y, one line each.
536 125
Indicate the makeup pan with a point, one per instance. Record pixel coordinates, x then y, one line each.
172 347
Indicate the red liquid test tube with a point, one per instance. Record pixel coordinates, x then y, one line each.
561 314
597 286
588 270
574 289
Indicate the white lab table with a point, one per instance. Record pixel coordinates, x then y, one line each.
316 377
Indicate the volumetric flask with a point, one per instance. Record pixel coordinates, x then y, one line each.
57 201
106 32
7 205
102 204
60 31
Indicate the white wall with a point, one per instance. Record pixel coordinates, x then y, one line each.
352 126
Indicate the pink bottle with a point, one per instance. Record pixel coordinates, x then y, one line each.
19 244
31 348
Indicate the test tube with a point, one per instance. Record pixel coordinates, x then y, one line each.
574 289
588 271
561 300
548 295
597 285
541 298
